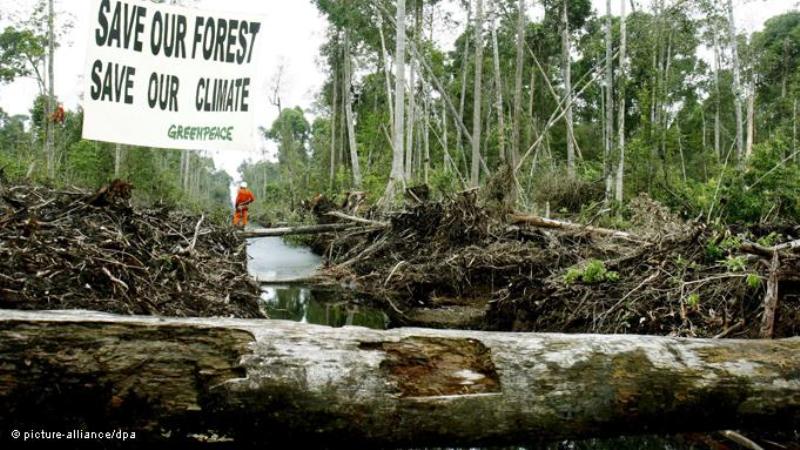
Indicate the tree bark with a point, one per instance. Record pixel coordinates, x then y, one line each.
295 231
397 175
264 381
567 72
348 109
477 96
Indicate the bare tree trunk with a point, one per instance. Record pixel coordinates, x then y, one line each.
51 95
567 72
348 109
518 69
334 102
717 124
737 84
751 128
118 160
426 135
397 176
498 85
412 107
794 127
623 81
609 125
313 386
478 96
386 69
459 133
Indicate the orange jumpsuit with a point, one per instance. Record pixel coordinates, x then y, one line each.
243 199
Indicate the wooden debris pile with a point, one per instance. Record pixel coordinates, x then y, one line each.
664 277
80 250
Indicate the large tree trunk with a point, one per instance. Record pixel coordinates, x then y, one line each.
397 175
348 109
268 381
567 72
477 96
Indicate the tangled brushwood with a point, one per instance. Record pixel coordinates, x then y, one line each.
664 276
79 250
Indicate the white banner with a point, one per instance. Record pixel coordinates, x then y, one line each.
171 77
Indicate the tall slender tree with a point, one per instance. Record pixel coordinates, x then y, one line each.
498 86
477 96
347 87
737 82
623 81
516 139
567 74
50 150
609 125
397 175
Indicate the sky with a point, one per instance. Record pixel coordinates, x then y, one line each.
293 30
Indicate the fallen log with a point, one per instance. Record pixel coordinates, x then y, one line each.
262 381
298 230
541 222
759 250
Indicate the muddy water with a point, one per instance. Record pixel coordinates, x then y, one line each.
274 261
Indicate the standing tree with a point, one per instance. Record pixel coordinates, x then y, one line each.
737 83
397 176
609 90
567 74
623 73
477 96
518 68
51 96
348 109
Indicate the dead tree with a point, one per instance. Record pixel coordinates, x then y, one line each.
268 381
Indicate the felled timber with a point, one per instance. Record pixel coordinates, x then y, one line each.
542 222
269 381
297 230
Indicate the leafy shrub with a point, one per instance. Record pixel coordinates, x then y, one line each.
593 272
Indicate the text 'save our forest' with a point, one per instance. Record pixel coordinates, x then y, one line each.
130 73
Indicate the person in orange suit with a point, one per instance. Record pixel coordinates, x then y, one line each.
244 198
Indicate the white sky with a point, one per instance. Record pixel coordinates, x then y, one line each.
294 32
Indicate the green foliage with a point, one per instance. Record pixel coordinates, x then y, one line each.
21 51
692 301
592 272
736 263
754 281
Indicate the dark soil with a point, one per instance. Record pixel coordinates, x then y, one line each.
80 250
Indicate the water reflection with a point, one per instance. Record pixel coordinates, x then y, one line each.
319 307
